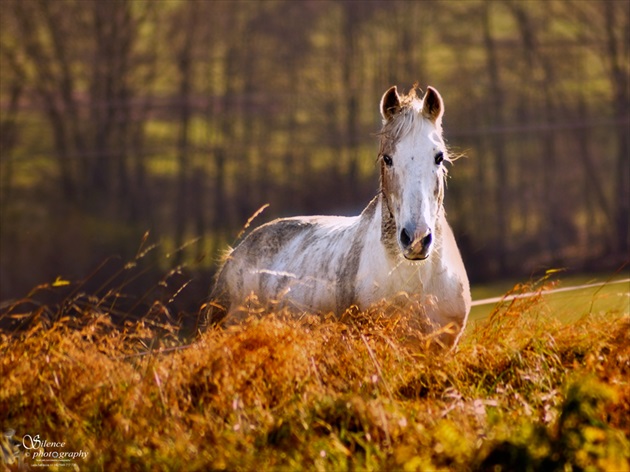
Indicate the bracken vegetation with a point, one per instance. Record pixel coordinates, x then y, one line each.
522 391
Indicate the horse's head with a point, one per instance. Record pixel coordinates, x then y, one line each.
412 171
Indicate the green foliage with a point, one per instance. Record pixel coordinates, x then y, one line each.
521 392
580 440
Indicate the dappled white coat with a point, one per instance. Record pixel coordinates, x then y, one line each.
400 248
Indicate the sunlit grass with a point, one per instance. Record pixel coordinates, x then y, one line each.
610 297
274 393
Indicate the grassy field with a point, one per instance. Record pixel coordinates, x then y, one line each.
606 294
539 383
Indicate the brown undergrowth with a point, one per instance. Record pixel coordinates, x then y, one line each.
521 392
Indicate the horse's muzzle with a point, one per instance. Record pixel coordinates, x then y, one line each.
416 245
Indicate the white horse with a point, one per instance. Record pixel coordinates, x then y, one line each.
400 243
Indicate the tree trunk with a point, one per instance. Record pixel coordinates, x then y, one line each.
184 66
619 77
496 104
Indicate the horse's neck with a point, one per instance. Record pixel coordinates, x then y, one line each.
387 228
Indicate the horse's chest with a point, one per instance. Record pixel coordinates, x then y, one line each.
380 279
375 284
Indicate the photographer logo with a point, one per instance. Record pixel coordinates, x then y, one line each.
36 451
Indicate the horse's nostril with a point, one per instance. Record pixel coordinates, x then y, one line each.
426 241
405 238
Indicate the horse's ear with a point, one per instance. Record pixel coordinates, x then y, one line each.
432 105
390 103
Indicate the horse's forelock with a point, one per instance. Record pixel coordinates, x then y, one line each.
401 123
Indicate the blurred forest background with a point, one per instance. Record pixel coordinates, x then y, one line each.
182 118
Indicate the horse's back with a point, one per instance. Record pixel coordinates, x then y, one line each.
291 261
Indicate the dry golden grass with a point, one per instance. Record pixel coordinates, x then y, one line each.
521 392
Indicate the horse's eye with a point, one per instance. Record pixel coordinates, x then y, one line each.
439 157
387 159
